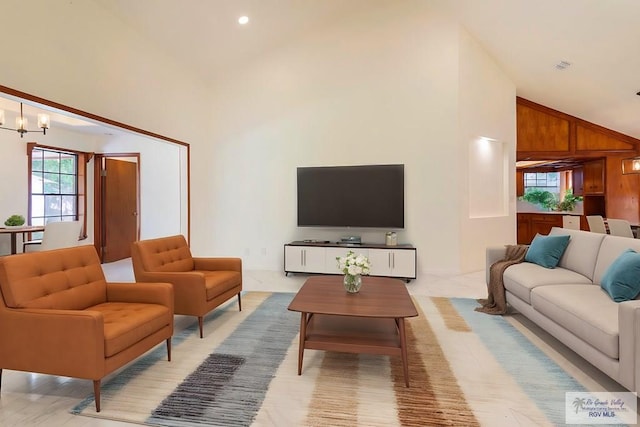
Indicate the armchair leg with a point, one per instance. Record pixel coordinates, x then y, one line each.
96 393
201 324
239 302
169 349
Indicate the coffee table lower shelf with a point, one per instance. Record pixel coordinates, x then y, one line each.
351 334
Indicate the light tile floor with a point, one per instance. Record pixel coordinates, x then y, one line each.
44 400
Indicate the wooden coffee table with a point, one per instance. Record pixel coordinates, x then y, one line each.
371 321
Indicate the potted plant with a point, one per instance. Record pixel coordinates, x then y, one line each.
549 201
569 201
14 221
543 198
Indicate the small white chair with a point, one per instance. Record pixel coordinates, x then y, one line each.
620 227
596 224
571 221
61 234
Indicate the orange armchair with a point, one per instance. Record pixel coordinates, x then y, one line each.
59 316
199 284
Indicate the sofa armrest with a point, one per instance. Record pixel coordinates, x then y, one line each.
34 340
493 254
214 264
148 293
629 342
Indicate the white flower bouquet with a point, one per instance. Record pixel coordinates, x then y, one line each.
353 264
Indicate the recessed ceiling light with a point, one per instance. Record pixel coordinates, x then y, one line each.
243 20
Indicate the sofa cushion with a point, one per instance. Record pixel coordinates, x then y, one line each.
621 280
166 254
126 323
584 310
64 279
612 247
582 250
218 282
520 279
547 250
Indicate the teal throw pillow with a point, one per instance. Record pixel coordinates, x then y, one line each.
622 279
547 250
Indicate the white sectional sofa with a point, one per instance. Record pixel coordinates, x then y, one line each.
569 303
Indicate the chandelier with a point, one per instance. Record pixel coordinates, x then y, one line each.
22 123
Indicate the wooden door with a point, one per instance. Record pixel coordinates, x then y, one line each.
593 177
523 229
120 209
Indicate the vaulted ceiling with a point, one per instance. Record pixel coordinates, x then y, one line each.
600 40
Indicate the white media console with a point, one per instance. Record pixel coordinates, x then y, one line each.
313 257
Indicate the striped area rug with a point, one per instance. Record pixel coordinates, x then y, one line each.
466 369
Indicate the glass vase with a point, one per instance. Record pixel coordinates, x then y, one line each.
352 283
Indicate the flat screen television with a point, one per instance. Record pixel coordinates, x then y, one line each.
351 196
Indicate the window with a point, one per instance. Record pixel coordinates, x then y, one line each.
544 181
557 183
54 186
57 182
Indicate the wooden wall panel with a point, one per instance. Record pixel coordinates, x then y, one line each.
578 181
544 133
519 183
591 140
622 191
539 131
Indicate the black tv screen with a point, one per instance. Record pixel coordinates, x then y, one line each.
351 196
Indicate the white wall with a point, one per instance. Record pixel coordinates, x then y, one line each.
487 102
382 87
78 54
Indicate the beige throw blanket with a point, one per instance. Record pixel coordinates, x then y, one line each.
496 302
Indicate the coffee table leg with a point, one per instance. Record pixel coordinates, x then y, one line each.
303 335
403 349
